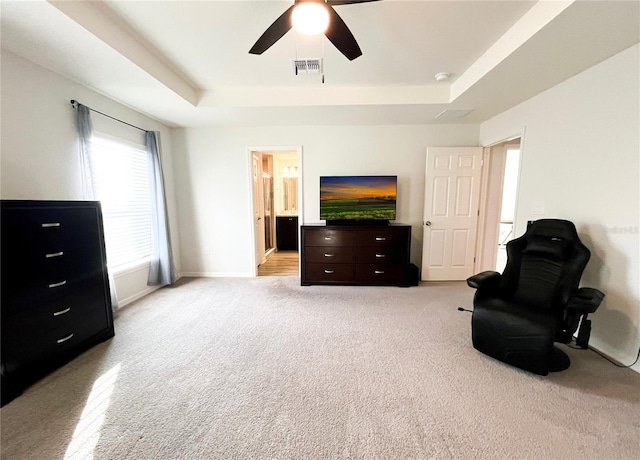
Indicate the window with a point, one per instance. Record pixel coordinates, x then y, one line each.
121 181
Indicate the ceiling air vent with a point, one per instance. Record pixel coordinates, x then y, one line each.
307 66
452 114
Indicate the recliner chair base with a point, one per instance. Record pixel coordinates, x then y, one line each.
559 360
507 333
532 352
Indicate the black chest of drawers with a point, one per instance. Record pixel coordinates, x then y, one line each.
54 287
356 255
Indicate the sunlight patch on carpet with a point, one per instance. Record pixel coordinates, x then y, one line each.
87 432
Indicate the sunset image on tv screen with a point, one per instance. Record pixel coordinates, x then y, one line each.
358 197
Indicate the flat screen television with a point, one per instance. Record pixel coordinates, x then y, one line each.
358 199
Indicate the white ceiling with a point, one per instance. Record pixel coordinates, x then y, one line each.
186 63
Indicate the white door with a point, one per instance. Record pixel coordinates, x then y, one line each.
451 208
258 209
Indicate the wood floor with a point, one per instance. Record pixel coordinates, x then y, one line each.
280 263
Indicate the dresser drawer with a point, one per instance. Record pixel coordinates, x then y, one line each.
28 323
28 292
329 254
55 342
384 237
327 237
375 273
328 273
385 254
69 251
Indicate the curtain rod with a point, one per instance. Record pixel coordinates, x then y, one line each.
75 103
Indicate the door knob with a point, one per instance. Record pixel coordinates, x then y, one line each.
428 223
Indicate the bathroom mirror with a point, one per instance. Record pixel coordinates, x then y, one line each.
290 194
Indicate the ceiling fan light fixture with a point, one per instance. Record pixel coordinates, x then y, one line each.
310 18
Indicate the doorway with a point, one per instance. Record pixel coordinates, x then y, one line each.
498 203
276 187
508 206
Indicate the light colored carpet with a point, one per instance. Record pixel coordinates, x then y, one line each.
264 368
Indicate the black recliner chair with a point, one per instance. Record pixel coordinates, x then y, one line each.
536 301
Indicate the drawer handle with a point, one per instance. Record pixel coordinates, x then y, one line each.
326 254
381 256
50 224
329 272
380 238
379 272
55 285
54 254
64 339
62 312
328 238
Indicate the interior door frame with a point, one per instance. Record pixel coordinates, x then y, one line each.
257 199
251 150
483 224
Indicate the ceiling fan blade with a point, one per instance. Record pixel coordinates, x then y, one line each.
348 2
339 34
274 33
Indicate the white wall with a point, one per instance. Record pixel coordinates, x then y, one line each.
39 145
212 174
581 162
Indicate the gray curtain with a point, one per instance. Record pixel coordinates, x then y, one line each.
161 271
85 131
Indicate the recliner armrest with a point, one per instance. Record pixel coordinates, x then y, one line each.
585 300
484 279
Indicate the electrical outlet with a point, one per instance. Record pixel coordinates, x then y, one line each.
206 251
537 208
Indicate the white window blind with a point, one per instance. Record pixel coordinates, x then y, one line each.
121 181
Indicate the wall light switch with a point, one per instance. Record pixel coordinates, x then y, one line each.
206 251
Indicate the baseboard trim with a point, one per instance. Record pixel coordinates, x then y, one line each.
215 275
138 295
634 367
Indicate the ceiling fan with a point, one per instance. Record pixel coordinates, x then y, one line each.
336 31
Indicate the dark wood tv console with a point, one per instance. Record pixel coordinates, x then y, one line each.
355 255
